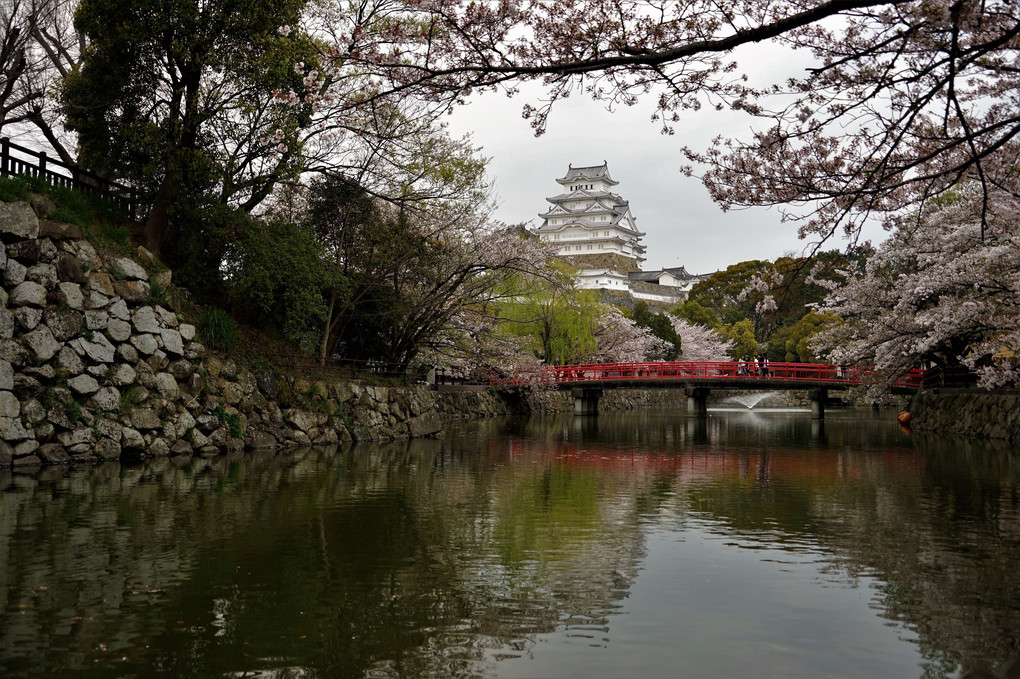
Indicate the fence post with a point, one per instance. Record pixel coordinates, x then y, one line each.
5 154
42 167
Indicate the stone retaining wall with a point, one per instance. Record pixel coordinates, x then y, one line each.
92 368
967 412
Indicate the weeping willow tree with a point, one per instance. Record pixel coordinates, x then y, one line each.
559 325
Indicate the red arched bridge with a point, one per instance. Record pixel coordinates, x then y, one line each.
698 377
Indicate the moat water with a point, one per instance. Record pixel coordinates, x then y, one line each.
631 544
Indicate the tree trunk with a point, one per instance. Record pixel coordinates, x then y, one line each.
160 235
157 225
327 329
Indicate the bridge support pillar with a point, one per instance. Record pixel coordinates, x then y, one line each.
818 397
586 401
697 401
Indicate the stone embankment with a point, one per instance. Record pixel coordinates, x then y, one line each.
92 368
967 412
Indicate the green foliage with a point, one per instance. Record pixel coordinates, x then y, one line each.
741 336
798 343
659 325
158 294
232 421
128 400
73 207
218 329
177 98
279 276
197 259
696 314
374 251
719 295
559 326
261 364
73 410
116 233
13 188
340 412
720 291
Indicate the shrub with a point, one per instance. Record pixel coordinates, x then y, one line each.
73 207
280 276
117 233
73 410
13 188
129 399
218 329
158 293
232 421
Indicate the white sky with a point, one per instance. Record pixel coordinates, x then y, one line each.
682 224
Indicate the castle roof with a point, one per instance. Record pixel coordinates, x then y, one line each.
579 219
676 272
581 194
589 172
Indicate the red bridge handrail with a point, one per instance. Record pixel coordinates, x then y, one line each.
701 370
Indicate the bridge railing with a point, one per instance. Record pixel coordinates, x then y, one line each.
714 370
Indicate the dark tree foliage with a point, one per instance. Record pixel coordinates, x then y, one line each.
177 99
720 292
659 325
792 289
373 249
280 278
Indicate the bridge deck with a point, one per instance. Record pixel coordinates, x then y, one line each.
712 374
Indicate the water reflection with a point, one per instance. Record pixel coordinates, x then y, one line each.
543 547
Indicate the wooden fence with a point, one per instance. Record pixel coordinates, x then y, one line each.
18 160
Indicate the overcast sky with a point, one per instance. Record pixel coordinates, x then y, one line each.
682 224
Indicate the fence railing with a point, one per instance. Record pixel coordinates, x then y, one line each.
18 160
355 368
339 366
955 376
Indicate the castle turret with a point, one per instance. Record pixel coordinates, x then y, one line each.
592 224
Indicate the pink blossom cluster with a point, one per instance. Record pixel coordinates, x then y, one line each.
943 290
699 342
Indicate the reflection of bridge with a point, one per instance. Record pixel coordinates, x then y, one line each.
698 378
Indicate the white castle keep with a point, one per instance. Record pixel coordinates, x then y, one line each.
595 229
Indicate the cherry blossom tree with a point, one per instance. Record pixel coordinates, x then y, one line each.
699 342
620 340
945 289
421 280
900 99
474 345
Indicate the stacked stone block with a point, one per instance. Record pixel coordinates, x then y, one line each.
91 368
